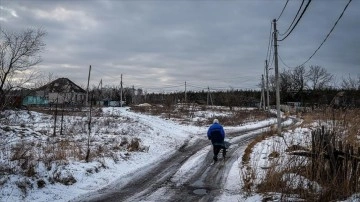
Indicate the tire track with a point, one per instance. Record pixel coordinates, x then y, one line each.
155 182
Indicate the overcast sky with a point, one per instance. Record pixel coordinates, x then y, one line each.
158 45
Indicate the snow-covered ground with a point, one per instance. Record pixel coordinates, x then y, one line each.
158 138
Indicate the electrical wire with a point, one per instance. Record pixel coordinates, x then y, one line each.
282 61
307 5
283 10
271 56
297 13
270 43
102 72
327 36
272 61
194 86
161 87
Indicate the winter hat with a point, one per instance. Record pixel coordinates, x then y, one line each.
216 121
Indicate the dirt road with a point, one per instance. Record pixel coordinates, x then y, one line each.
160 182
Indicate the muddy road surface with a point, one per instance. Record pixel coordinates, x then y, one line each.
188 174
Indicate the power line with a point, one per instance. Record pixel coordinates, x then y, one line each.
327 36
161 87
270 43
307 5
282 61
272 61
194 86
102 72
297 13
282 10
226 78
271 56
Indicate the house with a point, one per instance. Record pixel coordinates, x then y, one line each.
59 91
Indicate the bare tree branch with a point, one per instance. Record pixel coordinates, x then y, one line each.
319 77
18 53
351 83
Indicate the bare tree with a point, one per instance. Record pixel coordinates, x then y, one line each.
299 78
286 83
272 83
44 78
319 77
351 83
18 53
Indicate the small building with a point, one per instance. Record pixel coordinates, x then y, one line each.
34 100
59 91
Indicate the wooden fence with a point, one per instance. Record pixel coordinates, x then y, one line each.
333 162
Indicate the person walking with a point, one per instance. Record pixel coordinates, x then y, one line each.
216 134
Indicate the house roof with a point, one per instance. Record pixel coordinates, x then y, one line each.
61 85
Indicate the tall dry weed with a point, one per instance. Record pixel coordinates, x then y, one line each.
318 182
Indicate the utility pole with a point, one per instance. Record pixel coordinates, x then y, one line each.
261 97
267 85
87 88
208 95
133 94
185 93
89 118
121 91
100 85
55 115
263 91
277 80
87 104
100 90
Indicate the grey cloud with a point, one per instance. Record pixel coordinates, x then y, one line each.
155 43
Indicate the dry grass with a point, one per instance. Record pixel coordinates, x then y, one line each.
342 121
184 114
321 183
251 145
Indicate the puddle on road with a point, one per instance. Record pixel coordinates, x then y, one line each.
200 191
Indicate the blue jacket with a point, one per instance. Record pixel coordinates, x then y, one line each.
216 134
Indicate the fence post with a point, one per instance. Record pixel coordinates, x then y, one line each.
353 178
340 165
357 170
346 170
330 150
313 154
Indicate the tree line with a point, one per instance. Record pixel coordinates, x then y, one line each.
19 52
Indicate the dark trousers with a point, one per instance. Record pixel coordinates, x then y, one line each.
217 149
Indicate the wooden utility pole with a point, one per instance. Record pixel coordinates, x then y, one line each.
263 91
89 119
209 97
55 115
121 92
87 88
99 88
133 94
62 119
277 80
100 85
261 97
185 93
267 86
